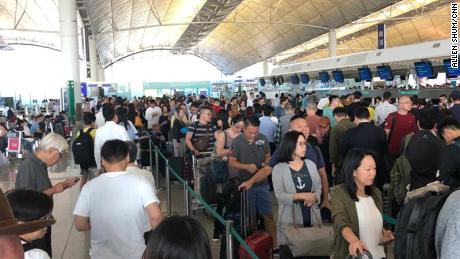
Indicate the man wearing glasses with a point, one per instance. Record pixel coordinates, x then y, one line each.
33 174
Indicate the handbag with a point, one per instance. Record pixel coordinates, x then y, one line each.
309 241
202 143
360 256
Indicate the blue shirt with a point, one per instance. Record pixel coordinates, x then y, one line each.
267 128
313 153
328 112
34 127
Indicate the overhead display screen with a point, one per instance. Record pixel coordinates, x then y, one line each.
338 76
451 72
295 79
424 69
385 72
304 78
324 77
365 74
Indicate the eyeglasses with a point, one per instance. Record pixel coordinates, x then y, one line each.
301 144
59 153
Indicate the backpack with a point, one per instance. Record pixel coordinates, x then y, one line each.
415 229
400 175
83 149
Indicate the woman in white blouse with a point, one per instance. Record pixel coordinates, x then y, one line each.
357 209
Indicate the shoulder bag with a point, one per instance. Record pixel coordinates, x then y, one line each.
317 240
201 144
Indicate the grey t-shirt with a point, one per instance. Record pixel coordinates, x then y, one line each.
250 153
33 174
447 239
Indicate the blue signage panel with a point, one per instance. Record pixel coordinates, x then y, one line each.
381 36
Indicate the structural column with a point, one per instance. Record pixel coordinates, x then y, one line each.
69 48
265 67
93 58
332 43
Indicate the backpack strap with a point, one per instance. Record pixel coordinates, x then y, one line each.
89 131
412 227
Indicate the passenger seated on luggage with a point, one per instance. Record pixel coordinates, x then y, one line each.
178 238
27 206
297 186
357 209
251 153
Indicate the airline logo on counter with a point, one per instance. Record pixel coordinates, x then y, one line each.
454 35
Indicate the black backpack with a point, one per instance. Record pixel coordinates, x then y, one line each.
83 149
415 230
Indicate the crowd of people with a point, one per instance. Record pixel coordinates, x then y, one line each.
325 159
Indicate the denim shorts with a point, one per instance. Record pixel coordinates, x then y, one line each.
261 198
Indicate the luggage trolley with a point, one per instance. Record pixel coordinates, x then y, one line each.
200 166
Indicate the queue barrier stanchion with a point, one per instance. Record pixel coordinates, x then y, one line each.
229 239
157 172
207 207
186 199
168 187
150 154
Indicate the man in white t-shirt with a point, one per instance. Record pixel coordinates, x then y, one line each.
110 130
250 101
113 207
133 168
152 114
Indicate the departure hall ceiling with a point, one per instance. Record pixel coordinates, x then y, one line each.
231 34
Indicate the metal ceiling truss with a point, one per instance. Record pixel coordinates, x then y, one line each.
209 17
390 23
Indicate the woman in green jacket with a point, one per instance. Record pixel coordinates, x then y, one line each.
357 209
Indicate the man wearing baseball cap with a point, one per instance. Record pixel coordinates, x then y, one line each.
10 229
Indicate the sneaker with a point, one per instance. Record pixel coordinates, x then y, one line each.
276 253
216 237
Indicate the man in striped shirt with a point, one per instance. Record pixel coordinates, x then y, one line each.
200 129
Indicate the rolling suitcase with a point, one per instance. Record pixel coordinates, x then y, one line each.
259 241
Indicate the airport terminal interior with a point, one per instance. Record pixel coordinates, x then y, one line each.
225 129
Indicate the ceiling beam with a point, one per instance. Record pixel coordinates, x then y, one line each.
211 14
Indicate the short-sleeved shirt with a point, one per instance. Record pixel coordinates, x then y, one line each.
267 128
33 174
199 130
313 153
115 204
250 153
404 124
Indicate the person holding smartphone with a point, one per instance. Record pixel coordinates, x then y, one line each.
357 209
33 174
